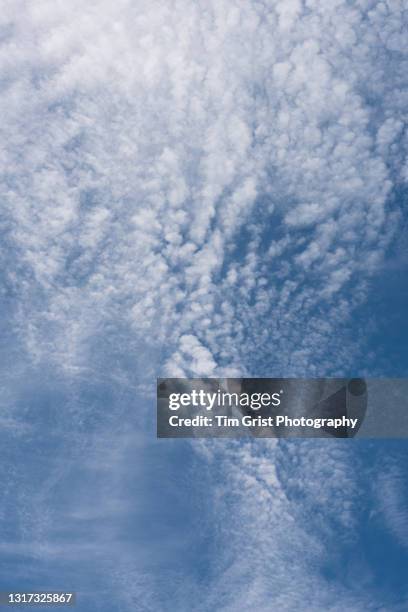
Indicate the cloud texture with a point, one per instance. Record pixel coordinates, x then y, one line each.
195 170
195 188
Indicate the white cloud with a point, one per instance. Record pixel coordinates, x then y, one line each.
203 187
142 141
391 501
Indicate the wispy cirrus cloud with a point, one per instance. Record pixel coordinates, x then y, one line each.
392 499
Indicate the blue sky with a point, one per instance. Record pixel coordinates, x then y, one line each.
199 188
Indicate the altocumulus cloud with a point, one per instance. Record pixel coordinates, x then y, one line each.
204 188
198 168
